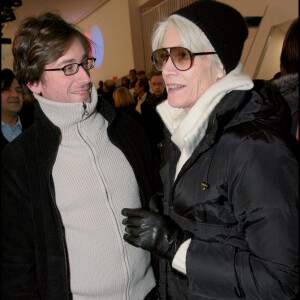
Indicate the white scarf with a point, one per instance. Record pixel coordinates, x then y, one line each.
188 129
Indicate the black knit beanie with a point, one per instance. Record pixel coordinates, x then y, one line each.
225 28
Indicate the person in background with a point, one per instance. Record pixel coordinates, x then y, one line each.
100 88
12 124
109 87
66 179
124 102
125 82
288 79
158 88
141 74
141 93
133 78
153 124
228 223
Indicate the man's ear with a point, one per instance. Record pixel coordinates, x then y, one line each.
34 87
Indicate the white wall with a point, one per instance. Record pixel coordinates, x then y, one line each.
113 20
119 22
261 53
270 59
6 60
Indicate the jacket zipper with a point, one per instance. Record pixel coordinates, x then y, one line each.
85 112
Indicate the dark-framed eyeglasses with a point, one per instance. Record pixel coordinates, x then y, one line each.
181 57
71 69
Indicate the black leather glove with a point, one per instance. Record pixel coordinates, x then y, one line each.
149 231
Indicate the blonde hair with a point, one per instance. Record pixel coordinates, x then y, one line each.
191 36
122 97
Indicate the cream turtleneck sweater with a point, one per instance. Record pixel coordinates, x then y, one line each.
93 182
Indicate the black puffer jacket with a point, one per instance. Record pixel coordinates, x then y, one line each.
238 195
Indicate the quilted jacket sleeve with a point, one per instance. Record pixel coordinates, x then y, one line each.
263 190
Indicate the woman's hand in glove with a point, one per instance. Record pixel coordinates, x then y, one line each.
149 231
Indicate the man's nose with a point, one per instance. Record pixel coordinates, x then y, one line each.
83 75
13 92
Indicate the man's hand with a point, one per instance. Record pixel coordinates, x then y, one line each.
149 231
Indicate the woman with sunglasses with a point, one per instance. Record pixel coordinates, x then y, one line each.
229 225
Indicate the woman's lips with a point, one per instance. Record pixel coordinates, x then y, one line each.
174 87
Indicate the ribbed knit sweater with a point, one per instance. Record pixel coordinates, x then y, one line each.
93 182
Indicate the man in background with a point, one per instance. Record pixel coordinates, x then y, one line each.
141 93
152 122
158 88
12 124
133 78
100 88
141 74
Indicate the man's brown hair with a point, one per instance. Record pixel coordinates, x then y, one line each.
40 41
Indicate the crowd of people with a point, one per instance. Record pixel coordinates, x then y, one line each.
179 184
138 97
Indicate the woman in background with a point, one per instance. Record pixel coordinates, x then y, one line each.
288 81
124 102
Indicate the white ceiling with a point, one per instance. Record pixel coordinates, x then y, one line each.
71 10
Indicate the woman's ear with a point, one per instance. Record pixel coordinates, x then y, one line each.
220 71
35 87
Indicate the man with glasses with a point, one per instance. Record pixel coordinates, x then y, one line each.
73 172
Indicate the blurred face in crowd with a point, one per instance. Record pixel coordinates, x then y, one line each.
141 76
138 91
11 99
186 87
157 85
124 81
56 86
132 74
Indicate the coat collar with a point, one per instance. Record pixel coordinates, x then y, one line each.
287 83
188 129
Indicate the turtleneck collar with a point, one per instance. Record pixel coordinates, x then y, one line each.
67 115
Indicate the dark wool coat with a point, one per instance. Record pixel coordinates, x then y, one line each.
238 196
34 257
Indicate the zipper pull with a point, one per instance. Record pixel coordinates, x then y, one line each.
204 186
85 112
